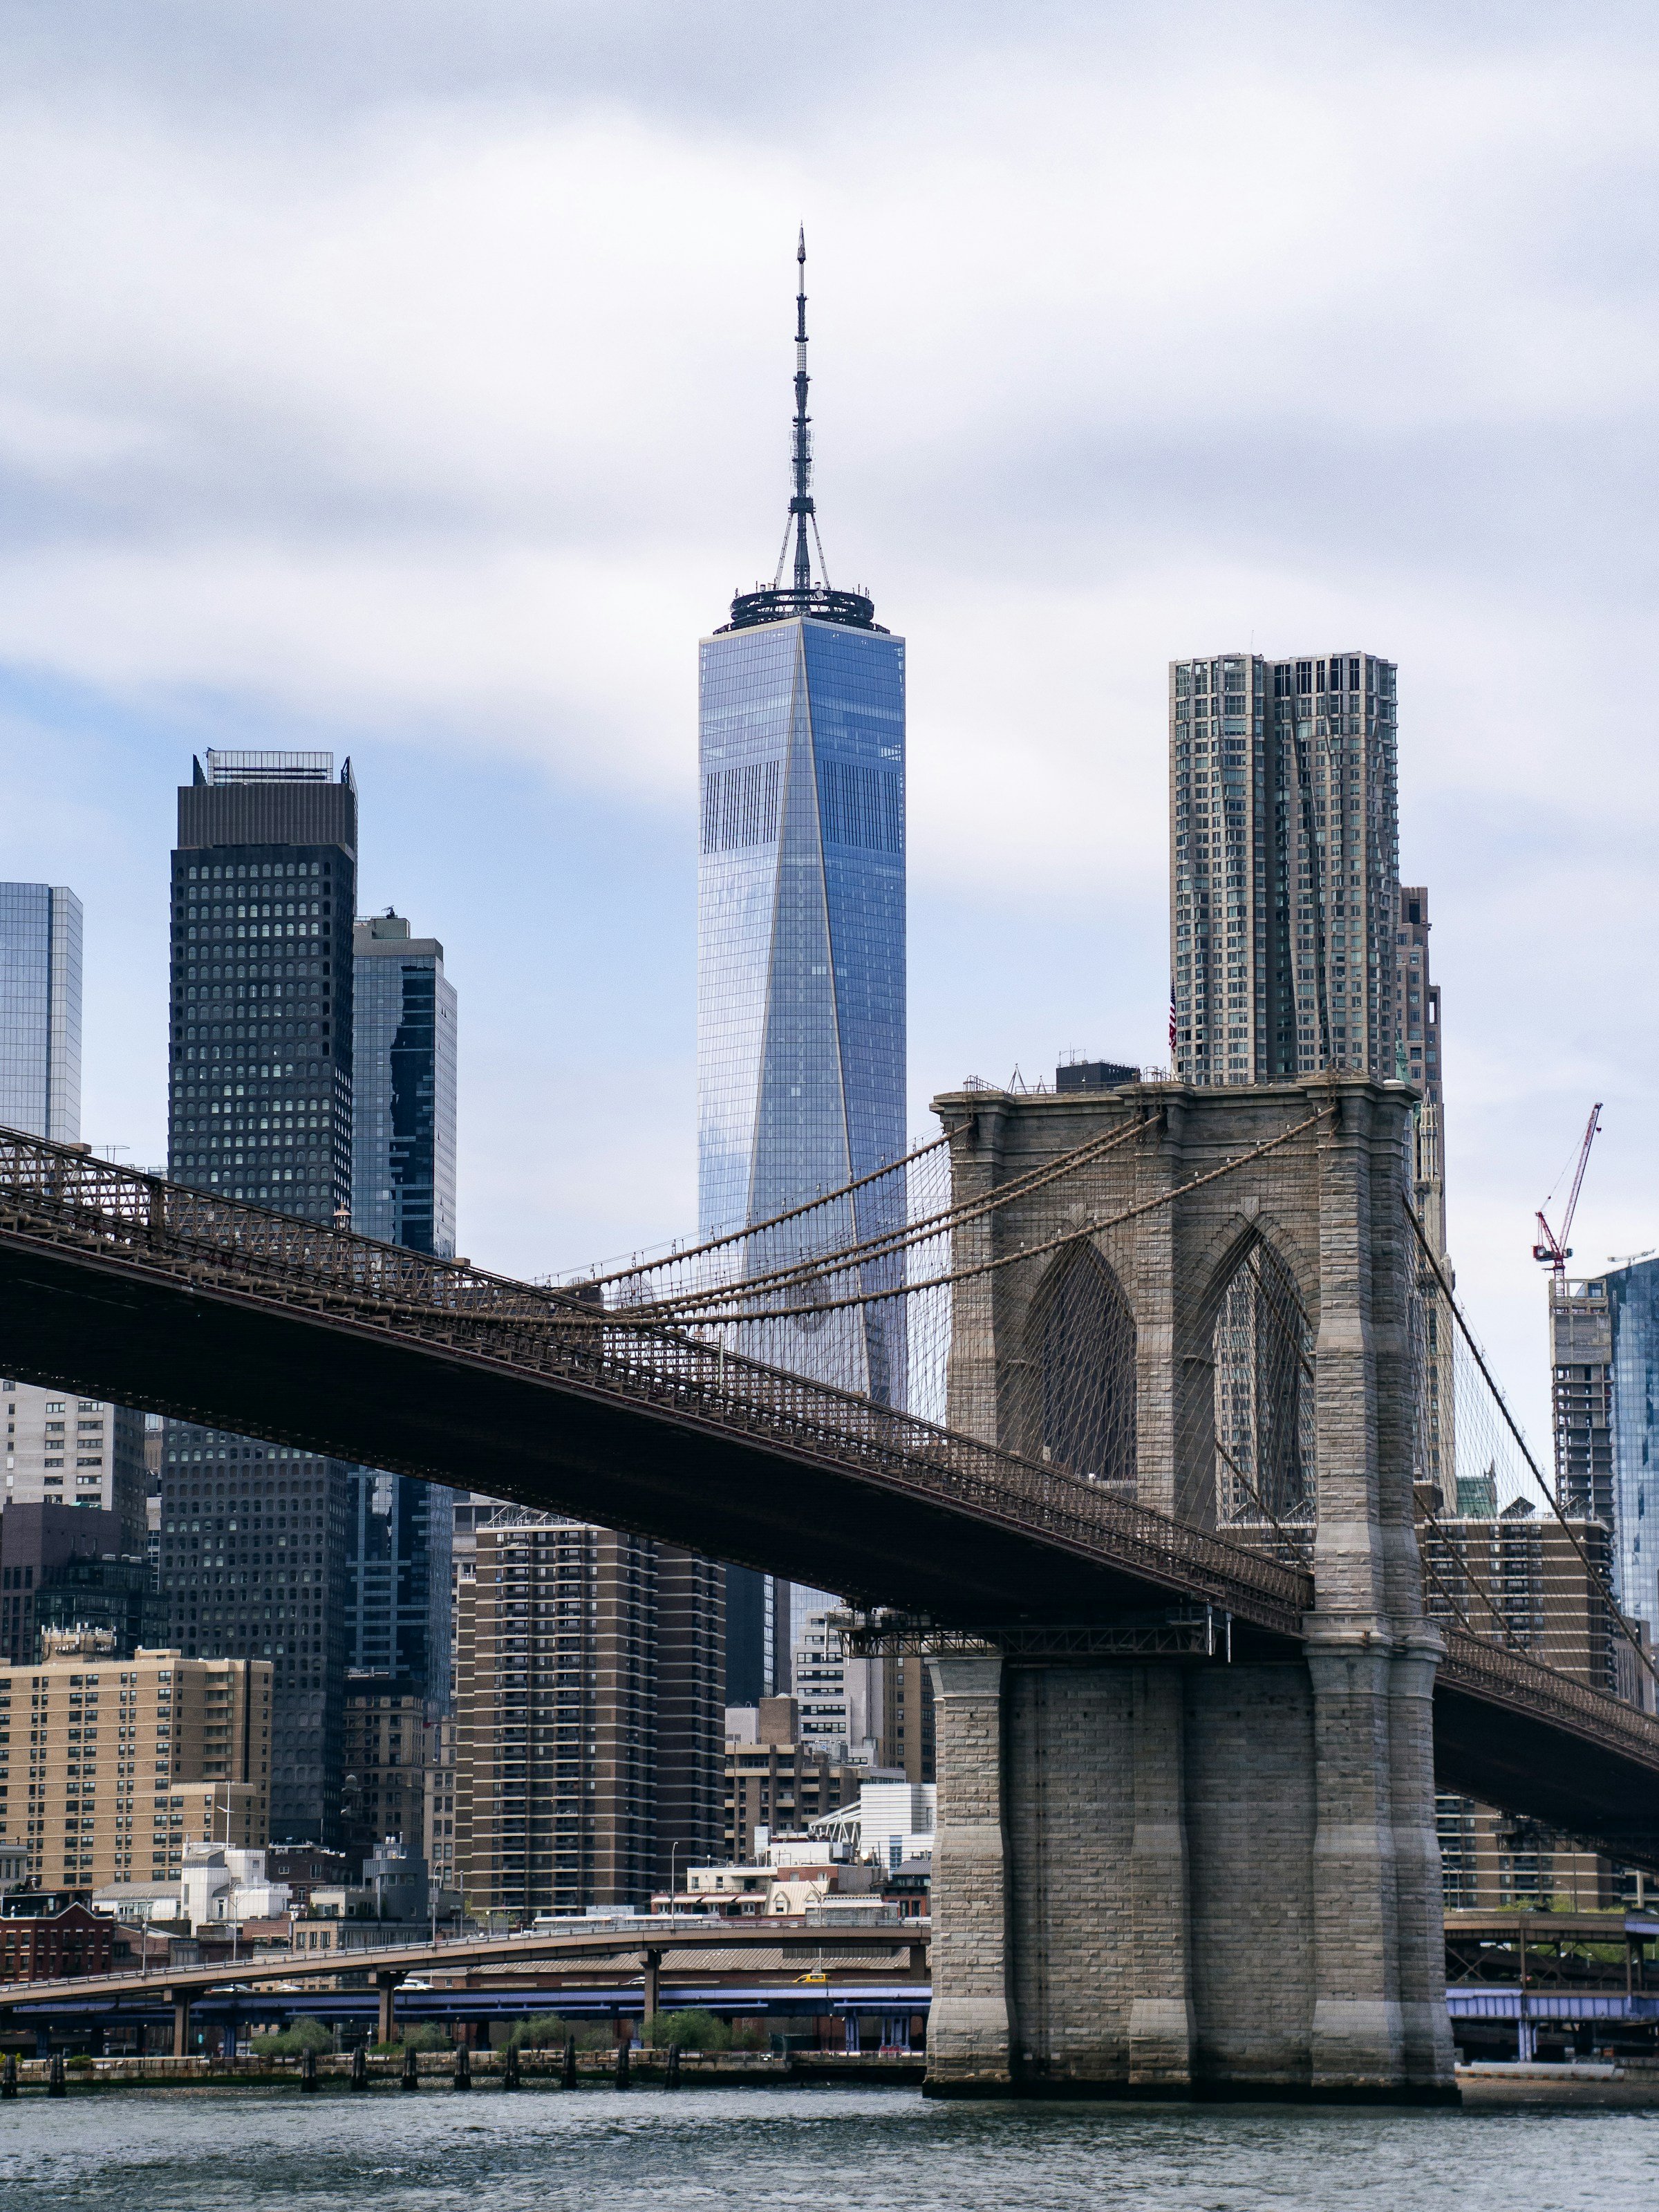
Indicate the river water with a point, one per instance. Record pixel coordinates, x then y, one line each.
842 2150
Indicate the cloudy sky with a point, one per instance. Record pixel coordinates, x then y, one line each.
413 380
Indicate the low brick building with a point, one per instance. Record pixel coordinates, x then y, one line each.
44 1944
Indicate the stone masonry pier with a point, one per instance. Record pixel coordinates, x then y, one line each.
1213 1874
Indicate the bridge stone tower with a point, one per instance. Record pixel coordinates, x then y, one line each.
1205 1877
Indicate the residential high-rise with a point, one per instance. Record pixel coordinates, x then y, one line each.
40 1010
865 1711
253 1547
402 1170
66 1451
1605 1379
1633 1294
118 1761
1417 1056
1284 866
1581 1368
555 1713
388 1736
801 932
589 1737
1521 1576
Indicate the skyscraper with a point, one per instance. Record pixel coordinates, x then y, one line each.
60 1448
402 1190
1605 1359
264 880
40 1010
253 1535
801 929
800 942
1284 866
67 1450
1633 1294
398 1571
403 1170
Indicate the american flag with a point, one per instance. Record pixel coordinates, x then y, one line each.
1172 1025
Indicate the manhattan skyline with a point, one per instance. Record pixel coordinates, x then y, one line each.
478 569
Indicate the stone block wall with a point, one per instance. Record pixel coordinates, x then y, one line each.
1216 1879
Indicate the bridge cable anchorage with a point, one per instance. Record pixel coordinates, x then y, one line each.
1597 1570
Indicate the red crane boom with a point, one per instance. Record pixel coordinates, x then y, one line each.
1552 1250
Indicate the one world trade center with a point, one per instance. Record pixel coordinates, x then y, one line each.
801 917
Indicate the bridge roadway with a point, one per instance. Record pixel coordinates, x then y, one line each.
391 1965
121 1285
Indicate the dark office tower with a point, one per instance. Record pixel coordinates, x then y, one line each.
253 1534
1284 866
264 881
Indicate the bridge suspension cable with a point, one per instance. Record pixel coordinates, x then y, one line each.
1476 1423
1080 1231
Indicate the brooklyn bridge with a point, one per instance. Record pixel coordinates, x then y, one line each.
1141 1410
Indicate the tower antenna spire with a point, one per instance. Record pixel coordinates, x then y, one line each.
802 510
801 596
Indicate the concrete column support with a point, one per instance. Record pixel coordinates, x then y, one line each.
653 1983
388 1981
179 1999
970 2034
1160 2006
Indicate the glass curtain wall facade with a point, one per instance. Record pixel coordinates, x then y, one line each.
801 935
397 1574
40 1010
252 1553
1284 866
403 1175
800 989
1633 1300
402 1190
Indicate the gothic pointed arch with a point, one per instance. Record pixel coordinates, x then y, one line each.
1262 1348
1076 1384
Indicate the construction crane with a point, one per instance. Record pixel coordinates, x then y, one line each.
1552 1250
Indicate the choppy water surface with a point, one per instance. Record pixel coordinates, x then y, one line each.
848 2150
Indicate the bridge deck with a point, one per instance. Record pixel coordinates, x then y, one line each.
121 1285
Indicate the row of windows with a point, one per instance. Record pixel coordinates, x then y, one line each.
257 872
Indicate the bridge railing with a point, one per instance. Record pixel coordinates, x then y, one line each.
1500 1675
70 1197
